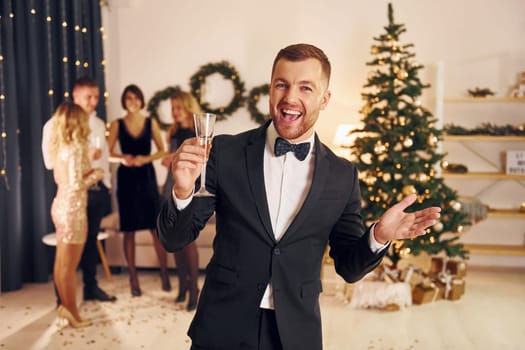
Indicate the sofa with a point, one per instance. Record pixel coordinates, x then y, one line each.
145 256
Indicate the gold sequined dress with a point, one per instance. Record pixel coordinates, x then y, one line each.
73 175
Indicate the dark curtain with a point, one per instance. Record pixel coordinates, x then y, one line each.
45 45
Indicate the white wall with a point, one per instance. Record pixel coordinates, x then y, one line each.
157 43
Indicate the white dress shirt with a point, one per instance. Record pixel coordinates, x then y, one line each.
287 182
97 138
46 138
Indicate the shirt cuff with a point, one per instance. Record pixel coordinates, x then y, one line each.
181 203
375 246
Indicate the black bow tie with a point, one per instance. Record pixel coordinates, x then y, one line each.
300 150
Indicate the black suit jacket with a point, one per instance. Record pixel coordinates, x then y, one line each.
246 255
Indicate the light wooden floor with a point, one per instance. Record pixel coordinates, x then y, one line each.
491 315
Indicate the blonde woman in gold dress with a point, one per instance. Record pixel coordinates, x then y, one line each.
73 175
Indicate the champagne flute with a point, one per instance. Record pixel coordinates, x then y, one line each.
97 145
204 127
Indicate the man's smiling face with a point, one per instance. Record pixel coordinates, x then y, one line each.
298 92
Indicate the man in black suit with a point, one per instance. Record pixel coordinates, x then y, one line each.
275 213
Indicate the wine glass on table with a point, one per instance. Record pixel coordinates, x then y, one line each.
204 127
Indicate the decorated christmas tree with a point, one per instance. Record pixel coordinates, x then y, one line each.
396 149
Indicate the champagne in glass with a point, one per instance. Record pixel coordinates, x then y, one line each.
205 143
204 127
98 142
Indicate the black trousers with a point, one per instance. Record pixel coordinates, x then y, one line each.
99 205
268 333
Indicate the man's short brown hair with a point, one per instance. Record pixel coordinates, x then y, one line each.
84 81
300 52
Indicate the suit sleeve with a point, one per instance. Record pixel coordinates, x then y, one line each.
174 226
349 241
178 228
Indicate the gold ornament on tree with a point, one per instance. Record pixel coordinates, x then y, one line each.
438 226
432 140
366 158
408 190
379 148
402 74
422 177
455 205
398 147
370 180
408 142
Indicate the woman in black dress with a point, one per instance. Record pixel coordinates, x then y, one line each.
137 191
183 105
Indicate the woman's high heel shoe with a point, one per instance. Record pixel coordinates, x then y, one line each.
64 314
192 303
135 288
181 297
166 285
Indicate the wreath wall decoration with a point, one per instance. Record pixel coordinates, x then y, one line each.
253 100
196 83
158 97
229 73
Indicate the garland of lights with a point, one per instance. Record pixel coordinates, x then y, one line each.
253 99
486 129
153 104
229 73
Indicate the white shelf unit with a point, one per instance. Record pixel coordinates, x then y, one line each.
502 234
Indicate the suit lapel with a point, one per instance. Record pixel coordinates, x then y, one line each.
321 170
255 163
